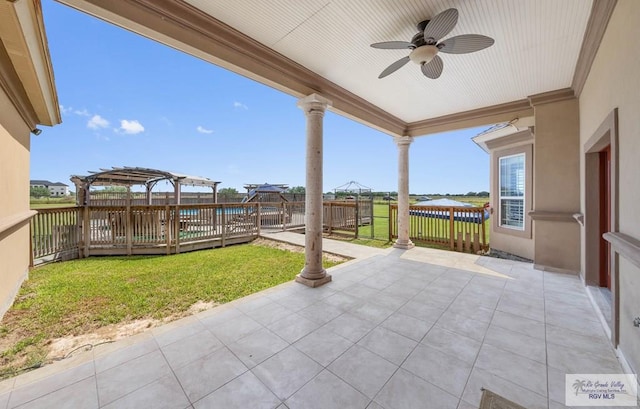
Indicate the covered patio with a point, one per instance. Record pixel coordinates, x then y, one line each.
408 327
394 329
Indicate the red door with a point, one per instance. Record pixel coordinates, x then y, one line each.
605 216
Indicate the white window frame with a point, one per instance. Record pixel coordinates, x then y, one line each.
520 198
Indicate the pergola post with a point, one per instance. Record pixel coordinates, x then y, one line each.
313 274
176 186
403 241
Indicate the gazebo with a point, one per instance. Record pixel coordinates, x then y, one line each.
354 188
265 192
131 176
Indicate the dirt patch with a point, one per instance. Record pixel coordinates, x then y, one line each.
62 347
295 249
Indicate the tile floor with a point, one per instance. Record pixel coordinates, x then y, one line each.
399 330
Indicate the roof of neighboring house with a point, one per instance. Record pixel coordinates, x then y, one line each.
40 182
58 184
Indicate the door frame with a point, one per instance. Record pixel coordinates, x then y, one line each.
606 134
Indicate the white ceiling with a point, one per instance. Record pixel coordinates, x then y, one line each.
537 43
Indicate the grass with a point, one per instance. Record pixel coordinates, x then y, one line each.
79 297
52 202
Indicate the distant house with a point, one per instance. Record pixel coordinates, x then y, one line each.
55 188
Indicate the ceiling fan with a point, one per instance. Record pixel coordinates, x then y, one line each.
424 45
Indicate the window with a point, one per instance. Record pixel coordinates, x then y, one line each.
512 191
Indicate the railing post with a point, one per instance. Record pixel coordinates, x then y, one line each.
284 216
390 222
167 228
357 214
259 217
176 226
86 227
224 225
451 228
330 217
484 237
128 231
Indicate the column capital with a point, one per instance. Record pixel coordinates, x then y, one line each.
403 140
313 102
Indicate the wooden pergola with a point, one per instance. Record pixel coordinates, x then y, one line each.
131 176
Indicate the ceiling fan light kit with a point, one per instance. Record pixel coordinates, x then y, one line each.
423 54
424 45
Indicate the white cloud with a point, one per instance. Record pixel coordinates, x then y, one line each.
240 105
81 112
202 129
97 122
131 127
65 110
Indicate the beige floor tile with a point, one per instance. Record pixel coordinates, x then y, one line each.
327 391
286 372
388 344
254 395
455 345
364 370
323 345
257 347
125 378
517 369
208 373
442 370
408 326
165 393
408 391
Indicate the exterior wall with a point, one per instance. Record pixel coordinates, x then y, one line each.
520 243
14 168
58 190
614 82
556 186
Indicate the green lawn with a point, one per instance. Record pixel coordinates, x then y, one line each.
52 202
80 296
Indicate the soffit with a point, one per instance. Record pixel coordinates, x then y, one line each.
307 46
536 49
24 40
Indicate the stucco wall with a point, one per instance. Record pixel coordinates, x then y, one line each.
614 82
557 185
14 201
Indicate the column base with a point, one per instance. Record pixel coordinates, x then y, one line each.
408 245
313 282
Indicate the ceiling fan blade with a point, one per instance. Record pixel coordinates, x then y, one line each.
441 25
466 43
433 68
394 67
393 45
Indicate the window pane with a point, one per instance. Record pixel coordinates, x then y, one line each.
512 176
512 213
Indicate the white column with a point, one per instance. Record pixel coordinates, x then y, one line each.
403 241
313 274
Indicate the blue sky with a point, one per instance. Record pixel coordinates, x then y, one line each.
129 101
